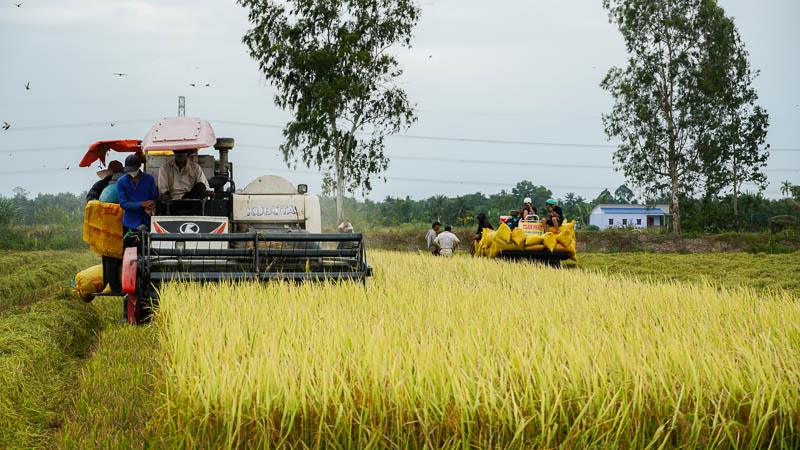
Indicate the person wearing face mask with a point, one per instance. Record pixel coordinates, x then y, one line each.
182 178
137 195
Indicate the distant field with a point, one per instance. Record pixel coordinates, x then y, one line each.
478 353
762 272
616 241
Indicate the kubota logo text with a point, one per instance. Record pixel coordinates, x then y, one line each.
273 211
189 228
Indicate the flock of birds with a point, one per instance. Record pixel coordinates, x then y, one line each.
7 126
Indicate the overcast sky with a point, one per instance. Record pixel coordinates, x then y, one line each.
524 71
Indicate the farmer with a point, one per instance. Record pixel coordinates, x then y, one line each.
346 227
554 215
107 177
513 221
182 178
431 235
446 242
483 223
527 208
137 195
105 190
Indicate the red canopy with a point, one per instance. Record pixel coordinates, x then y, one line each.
98 150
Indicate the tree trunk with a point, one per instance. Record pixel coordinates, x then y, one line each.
674 206
339 189
735 193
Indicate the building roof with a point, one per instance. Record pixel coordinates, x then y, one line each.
638 210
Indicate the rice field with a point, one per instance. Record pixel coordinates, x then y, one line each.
457 353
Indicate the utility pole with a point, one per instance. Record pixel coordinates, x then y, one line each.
181 106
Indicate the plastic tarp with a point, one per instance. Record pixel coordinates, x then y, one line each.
98 150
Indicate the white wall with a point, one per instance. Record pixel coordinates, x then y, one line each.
601 220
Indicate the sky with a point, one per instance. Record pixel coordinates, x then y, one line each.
488 71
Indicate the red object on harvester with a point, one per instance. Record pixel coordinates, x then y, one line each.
130 265
98 150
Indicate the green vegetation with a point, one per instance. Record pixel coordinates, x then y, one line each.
41 237
699 215
117 390
39 350
29 276
758 271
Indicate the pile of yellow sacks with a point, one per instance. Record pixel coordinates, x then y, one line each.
504 239
102 228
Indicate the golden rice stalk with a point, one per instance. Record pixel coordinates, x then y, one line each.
439 352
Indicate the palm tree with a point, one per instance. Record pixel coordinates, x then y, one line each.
786 188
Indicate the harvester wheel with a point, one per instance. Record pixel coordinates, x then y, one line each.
139 310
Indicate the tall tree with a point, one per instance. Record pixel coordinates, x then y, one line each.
624 194
660 113
735 152
331 65
605 197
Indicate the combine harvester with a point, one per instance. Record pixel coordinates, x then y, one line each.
270 230
528 241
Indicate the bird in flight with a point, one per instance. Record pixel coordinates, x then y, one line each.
6 125
192 84
112 124
208 84
18 5
120 74
28 86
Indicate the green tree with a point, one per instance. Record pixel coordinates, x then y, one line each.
661 114
605 197
786 188
331 66
624 195
736 152
8 211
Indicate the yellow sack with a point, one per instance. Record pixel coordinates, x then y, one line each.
89 281
534 239
509 247
549 241
518 237
534 248
567 234
487 238
494 250
503 234
102 228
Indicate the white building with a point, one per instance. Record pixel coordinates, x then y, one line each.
628 216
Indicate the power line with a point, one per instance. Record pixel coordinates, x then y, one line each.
444 181
78 125
398 136
392 178
31 171
492 162
400 157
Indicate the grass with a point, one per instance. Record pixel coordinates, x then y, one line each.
466 352
118 388
29 276
41 237
39 350
762 272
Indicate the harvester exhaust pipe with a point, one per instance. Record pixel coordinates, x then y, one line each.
223 146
